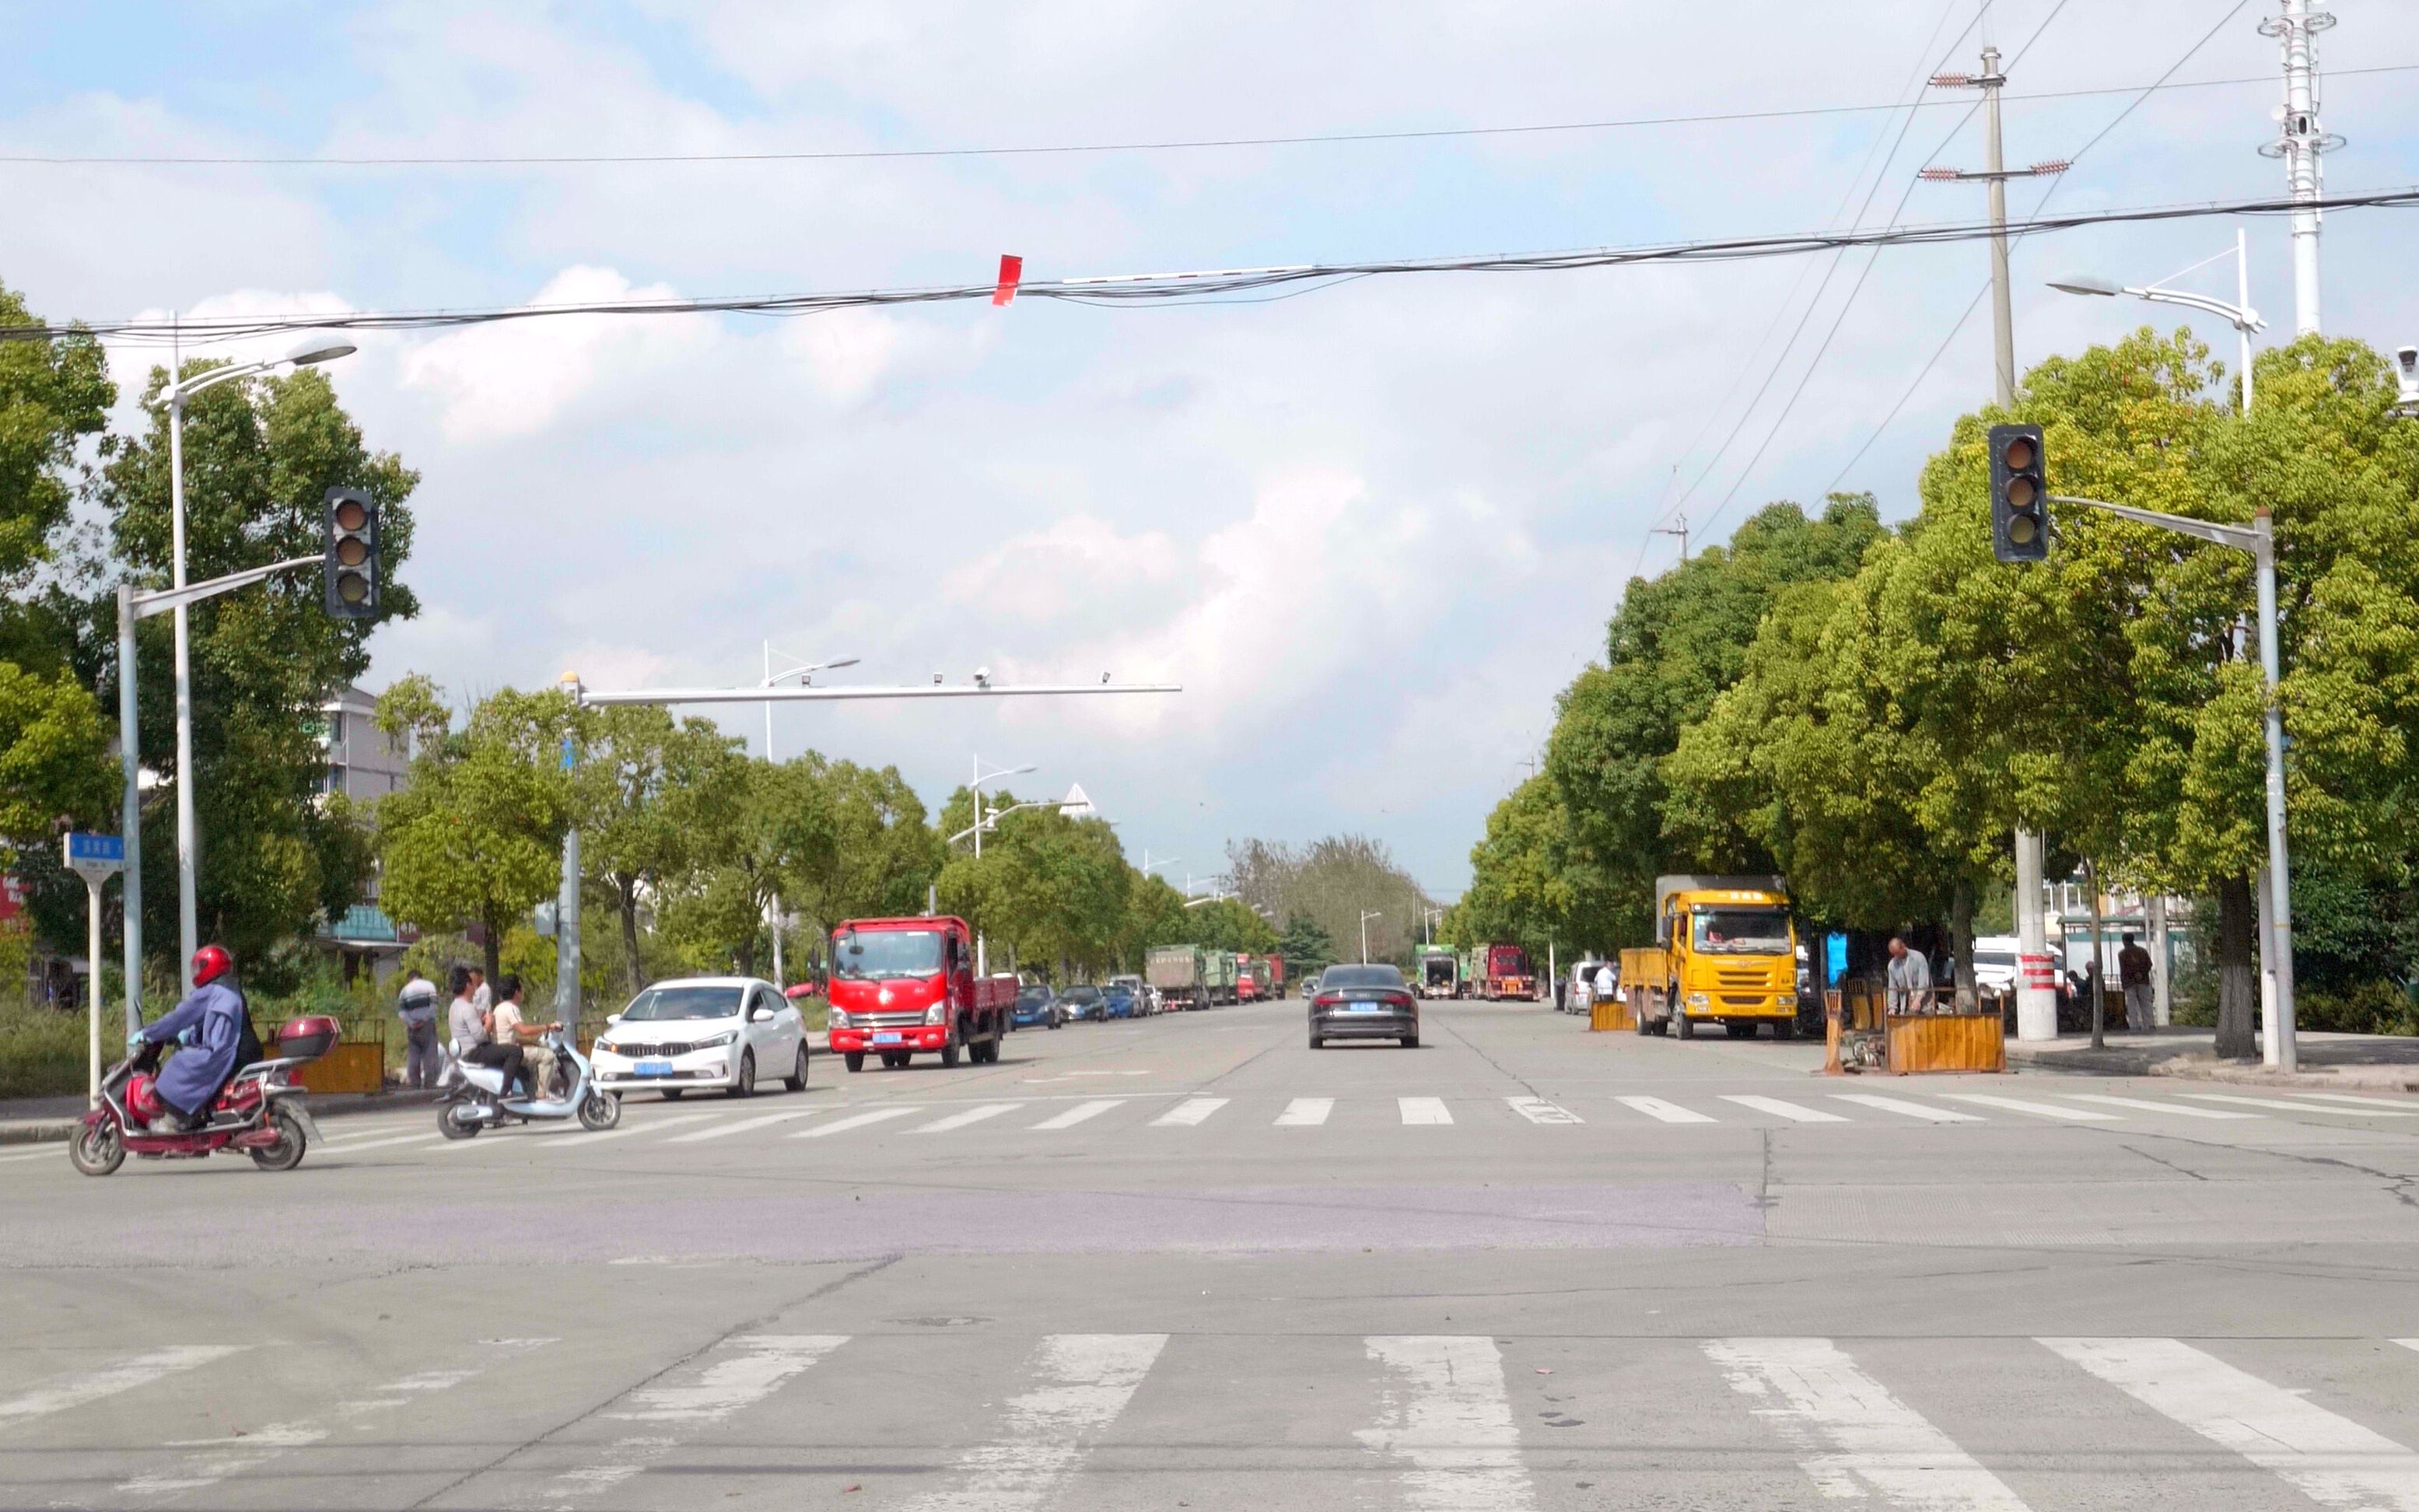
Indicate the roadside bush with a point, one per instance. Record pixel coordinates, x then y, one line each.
42 1052
2368 1008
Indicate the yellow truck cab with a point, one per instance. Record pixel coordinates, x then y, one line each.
1725 951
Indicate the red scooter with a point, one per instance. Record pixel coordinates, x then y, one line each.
258 1112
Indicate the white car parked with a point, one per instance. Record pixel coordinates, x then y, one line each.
719 1032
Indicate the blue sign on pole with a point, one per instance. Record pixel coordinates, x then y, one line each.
95 853
1835 958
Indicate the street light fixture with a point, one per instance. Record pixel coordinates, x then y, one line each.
2240 315
1367 916
314 347
803 670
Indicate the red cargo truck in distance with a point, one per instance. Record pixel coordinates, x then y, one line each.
1503 971
904 987
1251 979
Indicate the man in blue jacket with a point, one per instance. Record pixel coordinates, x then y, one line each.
215 1015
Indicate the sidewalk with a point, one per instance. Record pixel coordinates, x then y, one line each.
26 1120
2358 1062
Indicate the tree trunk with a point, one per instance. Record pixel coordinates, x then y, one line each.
2238 985
1961 924
2092 970
494 944
625 893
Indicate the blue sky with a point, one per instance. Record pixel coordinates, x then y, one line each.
1372 530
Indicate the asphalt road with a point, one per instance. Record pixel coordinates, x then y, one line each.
1187 1262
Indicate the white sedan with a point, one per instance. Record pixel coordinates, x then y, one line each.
719 1032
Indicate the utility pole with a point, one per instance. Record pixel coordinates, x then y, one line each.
1680 529
2036 1000
2301 144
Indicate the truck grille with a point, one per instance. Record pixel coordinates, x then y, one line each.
1743 999
892 1021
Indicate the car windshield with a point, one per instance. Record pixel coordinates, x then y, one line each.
1031 997
684 1002
2000 960
1082 995
874 954
1743 931
1361 977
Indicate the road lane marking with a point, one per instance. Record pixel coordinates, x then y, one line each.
1447 1417
743 1126
1654 1107
855 1120
1908 1110
1079 1113
1080 1382
350 1134
959 1120
2373 1104
1859 1439
421 1139
2330 1458
1188 1113
2278 1104
48 1152
1791 1111
756 1367
2149 1106
1424 1110
2046 1110
651 1126
139 1370
1305 1112
1537 1110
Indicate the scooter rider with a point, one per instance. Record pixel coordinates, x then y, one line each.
215 1014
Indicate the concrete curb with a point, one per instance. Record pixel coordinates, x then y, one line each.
2203 1067
36 1130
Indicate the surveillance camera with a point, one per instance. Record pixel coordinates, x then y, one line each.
982 677
2408 357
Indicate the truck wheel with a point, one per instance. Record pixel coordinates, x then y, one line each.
1784 1028
1683 1025
853 1060
949 1054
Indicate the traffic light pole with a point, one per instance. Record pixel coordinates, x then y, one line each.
2259 539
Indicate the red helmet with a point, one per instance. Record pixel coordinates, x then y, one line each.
210 963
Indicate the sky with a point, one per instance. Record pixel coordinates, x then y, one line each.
1372 530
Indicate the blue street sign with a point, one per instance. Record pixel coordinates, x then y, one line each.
97 852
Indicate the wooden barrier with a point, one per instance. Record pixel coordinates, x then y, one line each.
1921 1042
1609 1014
354 1066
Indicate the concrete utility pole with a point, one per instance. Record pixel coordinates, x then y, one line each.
1680 529
2301 144
2036 1000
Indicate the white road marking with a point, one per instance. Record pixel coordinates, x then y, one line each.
855 1120
1654 1107
140 1370
1777 1108
1446 1415
2148 1106
2278 1104
2330 1458
228 1458
650 1126
743 1126
1859 1439
2374 1105
48 1152
959 1120
1079 1113
1189 1113
1082 1382
421 1139
754 1368
350 1134
1305 1112
1908 1110
1537 1110
1424 1110
2046 1110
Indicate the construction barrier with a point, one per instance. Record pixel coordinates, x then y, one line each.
1609 1014
1861 1034
356 1063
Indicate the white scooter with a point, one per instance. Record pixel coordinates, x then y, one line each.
474 1096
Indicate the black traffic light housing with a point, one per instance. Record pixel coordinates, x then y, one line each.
350 574
2019 495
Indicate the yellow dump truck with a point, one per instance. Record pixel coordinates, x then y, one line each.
1725 952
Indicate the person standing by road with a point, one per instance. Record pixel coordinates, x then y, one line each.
2134 974
416 1005
1607 986
1910 978
482 996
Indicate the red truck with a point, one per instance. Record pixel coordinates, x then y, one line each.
904 987
1258 978
1502 971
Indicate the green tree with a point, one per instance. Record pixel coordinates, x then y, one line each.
639 782
53 758
1307 949
881 856
755 828
1051 887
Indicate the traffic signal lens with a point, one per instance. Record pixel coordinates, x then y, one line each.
2020 455
352 588
2021 492
2019 530
351 514
352 551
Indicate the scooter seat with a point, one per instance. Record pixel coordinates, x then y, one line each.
489 1079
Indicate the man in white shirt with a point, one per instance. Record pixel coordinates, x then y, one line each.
416 1005
510 1029
1608 986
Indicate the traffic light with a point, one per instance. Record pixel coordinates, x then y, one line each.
351 572
2019 495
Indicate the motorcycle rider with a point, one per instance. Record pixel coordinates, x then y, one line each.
214 1012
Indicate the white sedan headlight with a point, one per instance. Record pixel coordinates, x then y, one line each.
716 1041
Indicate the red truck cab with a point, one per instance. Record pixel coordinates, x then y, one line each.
904 987
1505 972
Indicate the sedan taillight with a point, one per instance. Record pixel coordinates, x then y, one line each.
1326 1000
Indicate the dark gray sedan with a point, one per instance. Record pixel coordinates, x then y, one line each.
1363 1003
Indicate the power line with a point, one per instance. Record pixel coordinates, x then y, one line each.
1190 286
549 160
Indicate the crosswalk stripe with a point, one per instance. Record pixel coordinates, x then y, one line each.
742 1126
1537 1110
350 1134
423 1136
1423 1110
1080 1382
108 1380
2277 1104
1188 1113
959 1120
2148 1106
2373 1104
2328 1457
625 1130
1305 1112
1654 1107
1775 1107
1859 1437
1908 1110
2046 1110
855 1120
1450 1422
1079 1113
751 1369
48 1152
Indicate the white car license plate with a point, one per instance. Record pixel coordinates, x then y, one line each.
653 1068
888 1039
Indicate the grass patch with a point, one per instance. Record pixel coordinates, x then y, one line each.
43 1051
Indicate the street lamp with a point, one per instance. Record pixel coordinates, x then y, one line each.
1367 916
2240 315
803 670
317 347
